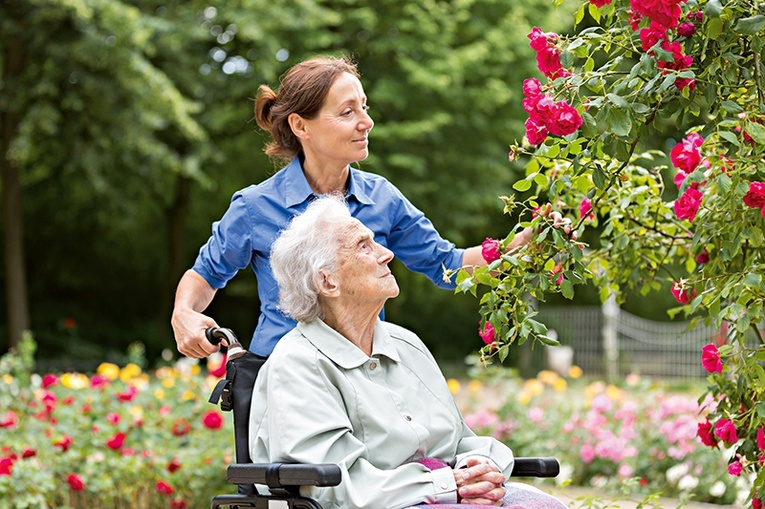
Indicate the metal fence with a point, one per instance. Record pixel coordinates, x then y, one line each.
610 342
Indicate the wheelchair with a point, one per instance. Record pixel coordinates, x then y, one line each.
284 480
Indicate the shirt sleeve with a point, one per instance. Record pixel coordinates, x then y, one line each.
320 432
229 248
415 241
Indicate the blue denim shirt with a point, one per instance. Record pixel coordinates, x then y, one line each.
257 214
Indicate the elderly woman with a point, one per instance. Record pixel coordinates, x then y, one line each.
345 387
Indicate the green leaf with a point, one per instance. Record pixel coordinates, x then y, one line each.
619 121
714 28
599 177
750 26
729 136
753 280
757 132
522 185
731 107
567 289
713 9
589 127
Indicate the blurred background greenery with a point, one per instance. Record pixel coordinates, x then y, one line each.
127 125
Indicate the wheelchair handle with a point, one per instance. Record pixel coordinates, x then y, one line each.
217 334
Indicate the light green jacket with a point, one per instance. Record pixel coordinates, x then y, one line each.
320 399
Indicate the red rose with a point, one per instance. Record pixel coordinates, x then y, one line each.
28 452
686 155
178 503
710 359
725 430
532 88
535 132
600 3
64 443
686 29
682 296
75 482
117 441
688 204
706 435
735 468
755 197
164 488
6 466
129 395
490 250
173 465
49 380
566 120
652 35
488 335
212 419
181 427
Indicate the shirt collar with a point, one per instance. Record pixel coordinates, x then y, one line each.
298 190
340 350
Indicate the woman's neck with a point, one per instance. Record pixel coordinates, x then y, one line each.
325 179
358 328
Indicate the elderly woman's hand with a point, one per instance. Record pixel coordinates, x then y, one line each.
479 483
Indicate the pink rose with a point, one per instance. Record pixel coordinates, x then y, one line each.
490 250
652 35
535 132
703 256
706 435
566 120
686 156
164 488
75 482
710 359
725 430
756 503
665 12
487 333
116 442
688 204
687 29
755 197
548 54
212 420
49 380
761 438
681 295
532 87
585 208
735 468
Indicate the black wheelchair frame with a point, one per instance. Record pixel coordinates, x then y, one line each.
234 393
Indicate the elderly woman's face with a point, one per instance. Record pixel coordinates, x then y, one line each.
363 271
339 132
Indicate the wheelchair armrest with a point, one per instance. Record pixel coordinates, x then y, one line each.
279 475
535 467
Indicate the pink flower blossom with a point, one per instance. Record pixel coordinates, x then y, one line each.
703 256
532 88
686 156
49 380
117 441
585 208
75 482
548 54
600 3
688 204
665 12
710 358
652 35
725 430
535 132
756 503
164 488
113 418
687 29
761 438
566 120
488 334
706 435
490 250
735 468
587 453
6 466
212 419
755 197
681 295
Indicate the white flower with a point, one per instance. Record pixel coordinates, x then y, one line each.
687 483
717 489
676 472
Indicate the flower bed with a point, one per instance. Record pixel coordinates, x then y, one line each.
639 433
117 438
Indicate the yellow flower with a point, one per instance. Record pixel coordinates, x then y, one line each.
614 393
166 372
109 370
136 411
454 385
575 372
594 388
8 379
167 383
534 387
548 377
129 372
560 385
159 394
475 386
75 381
187 395
523 397
195 369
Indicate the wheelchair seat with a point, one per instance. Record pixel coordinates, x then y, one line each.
234 393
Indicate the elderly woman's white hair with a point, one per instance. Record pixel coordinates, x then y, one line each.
309 244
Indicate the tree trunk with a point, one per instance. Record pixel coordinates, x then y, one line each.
13 240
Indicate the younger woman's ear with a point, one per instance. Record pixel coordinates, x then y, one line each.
326 284
298 125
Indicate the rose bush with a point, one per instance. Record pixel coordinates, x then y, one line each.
116 438
638 72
